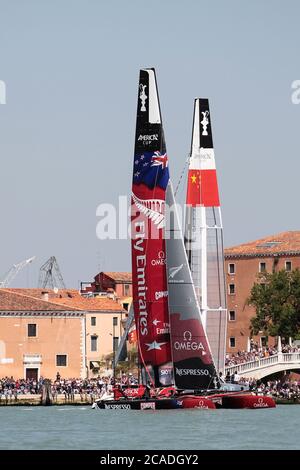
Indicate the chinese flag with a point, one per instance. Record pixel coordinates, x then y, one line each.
202 188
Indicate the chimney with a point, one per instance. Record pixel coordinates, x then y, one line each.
45 296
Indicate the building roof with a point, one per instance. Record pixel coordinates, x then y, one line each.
119 276
16 300
281 244
63 299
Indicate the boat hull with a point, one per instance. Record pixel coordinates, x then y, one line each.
239 401
222 400
194 401
137 404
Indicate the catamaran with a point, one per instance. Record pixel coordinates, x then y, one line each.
204 233
204 247
175 356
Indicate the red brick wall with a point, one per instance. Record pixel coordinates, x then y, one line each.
246 270
103 282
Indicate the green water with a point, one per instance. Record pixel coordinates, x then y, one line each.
83 428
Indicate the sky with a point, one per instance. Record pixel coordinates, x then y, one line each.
71 69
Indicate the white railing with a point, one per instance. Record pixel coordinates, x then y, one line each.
260 363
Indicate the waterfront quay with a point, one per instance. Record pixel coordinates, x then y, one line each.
37 400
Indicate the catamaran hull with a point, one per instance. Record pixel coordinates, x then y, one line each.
150 404
195 401
241 401
186 402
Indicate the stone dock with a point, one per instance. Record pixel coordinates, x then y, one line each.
38 400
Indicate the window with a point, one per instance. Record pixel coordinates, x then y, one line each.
93 321
264 341
94 366
231 289
231 315
231 268
31 329
232 342
288 266
126 289
115 321
262 267
61 360
94 343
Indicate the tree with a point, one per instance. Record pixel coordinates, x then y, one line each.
276 299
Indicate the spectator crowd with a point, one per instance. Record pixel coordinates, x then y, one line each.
95 388
256 353
12 388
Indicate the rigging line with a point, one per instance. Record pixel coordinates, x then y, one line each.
187 161
220 295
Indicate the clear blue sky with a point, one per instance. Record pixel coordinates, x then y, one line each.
67 130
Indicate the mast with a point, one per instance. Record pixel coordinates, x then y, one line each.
150 290
204 233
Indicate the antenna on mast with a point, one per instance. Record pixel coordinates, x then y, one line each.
50 275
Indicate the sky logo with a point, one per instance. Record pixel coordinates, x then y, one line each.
2 92
296 93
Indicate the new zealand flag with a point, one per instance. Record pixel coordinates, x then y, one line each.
151 168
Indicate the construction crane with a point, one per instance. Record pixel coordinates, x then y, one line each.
50 275
11 274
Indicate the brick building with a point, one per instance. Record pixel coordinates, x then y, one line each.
45 332
242 265
117 285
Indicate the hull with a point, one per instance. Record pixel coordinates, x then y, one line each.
221 400
240 401
150 404
194 401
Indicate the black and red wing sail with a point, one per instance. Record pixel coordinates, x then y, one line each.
150 289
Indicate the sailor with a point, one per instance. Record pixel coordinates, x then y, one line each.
147 393
236 378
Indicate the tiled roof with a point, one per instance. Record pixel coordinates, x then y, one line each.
16 300
119 276
64 299
285 243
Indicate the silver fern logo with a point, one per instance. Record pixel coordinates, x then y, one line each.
115 221
153 209
143 97
173 271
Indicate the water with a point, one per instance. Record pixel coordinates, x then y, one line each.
74 427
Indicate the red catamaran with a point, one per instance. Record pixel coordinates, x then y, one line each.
173 346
